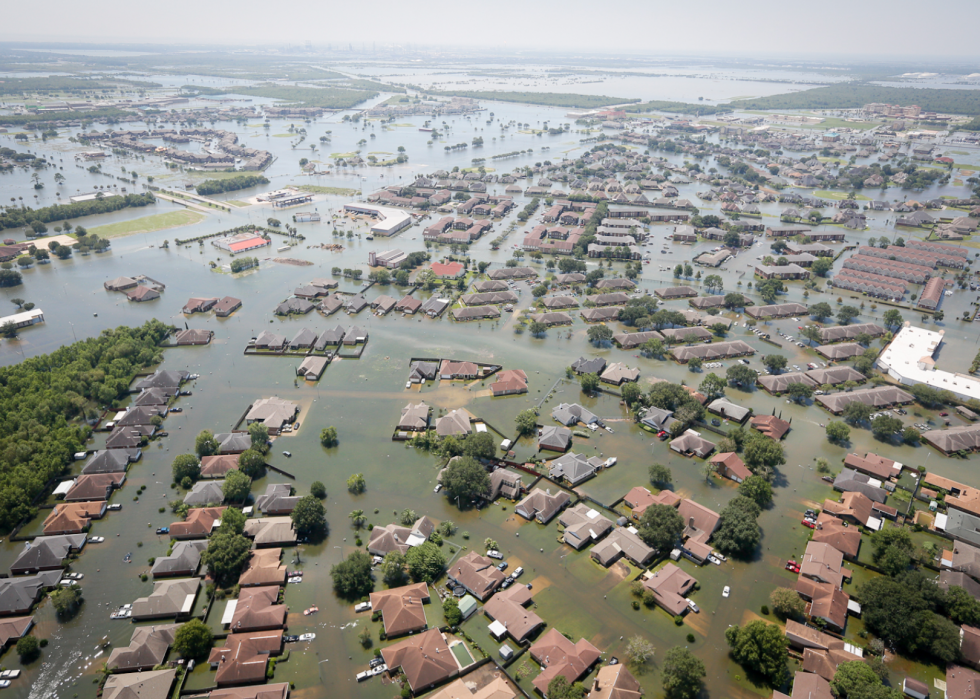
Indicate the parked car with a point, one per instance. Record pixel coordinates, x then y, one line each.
518 572
437 488
693 607
727 591
307 636
808 524
502 566
176 410
495 554
290 639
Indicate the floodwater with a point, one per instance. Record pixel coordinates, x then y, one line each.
363 398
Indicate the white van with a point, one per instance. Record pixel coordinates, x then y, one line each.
518 572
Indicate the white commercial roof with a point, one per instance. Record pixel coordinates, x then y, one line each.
390 221
909 359
25 317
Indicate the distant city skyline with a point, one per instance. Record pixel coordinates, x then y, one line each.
834 30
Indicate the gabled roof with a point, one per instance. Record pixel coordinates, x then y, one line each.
270 531
18 595
402 608
541 505
263 568
256 610
147 648
425 659
155 684
243 658
508 608
169 598
199 523
559 656
184 559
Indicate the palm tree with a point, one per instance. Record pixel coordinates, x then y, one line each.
357 518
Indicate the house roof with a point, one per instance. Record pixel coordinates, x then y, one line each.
265 691
18 595
402 608
559 656
698 519
554 437
72 517
622 541
770 425
263 568
962 683
615 682
169 598
243 658
13 628
508 608
574 467
424 658
477 574
670 585
832 531
110 461
256 610
47 552
184 559
277 498
218 465
147 648
583 524
155 684
199 523
94 486
541 505
732 463
205 493
414 417
270 531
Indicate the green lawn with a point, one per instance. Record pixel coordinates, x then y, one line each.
313 189
148 224
837 196
236 202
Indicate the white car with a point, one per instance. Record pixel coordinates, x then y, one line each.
495 554
727 591
307 636
437 488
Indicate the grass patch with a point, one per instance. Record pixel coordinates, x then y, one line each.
380 152
314 189
971 168
838 196
476 169
148 224
236 202
343 155
283 135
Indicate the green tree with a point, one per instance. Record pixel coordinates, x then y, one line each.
193 640
465 480
885 427
682 674
309 517
845 314
631 393
639 651
537 328
559 688
660 475
318 490
226 555
741 375
821 310
756 488
357 518
910 435
838 432
527 422
694 364
236 486
734 300
892 318
712 386
590 384
599 334
713 282
259 434
352 576
760 648
233 520
251 462
451 613
425 562
186 466
393 569
787 603
356 483
28 649
762 453
821 266
206 444
852 677
661 527
799 392
328 436
857 412
774 362
66 600
738 534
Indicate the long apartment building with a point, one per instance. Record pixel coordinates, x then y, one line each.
872 284
916 274
942 249
915 256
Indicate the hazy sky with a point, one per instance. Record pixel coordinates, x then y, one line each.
882 28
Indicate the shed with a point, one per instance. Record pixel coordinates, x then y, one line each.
467 606
915 688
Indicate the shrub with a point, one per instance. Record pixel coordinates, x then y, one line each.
678 620
690 638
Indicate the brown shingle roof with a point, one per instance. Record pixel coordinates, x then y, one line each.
402 608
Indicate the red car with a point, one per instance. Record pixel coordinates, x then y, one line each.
943 414
808 524
663 435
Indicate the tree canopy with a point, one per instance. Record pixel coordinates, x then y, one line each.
425 562
760 648
682 674
660 527
465 478
309 517
352 576
193 639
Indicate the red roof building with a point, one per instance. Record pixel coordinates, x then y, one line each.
449 270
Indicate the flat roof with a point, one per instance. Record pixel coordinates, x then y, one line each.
909 358
389 220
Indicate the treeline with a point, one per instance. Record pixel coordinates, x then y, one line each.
232 184
15 218
972 125
854 95
676 108
243 263
109 114
13 86
45 399
327 97
548 99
